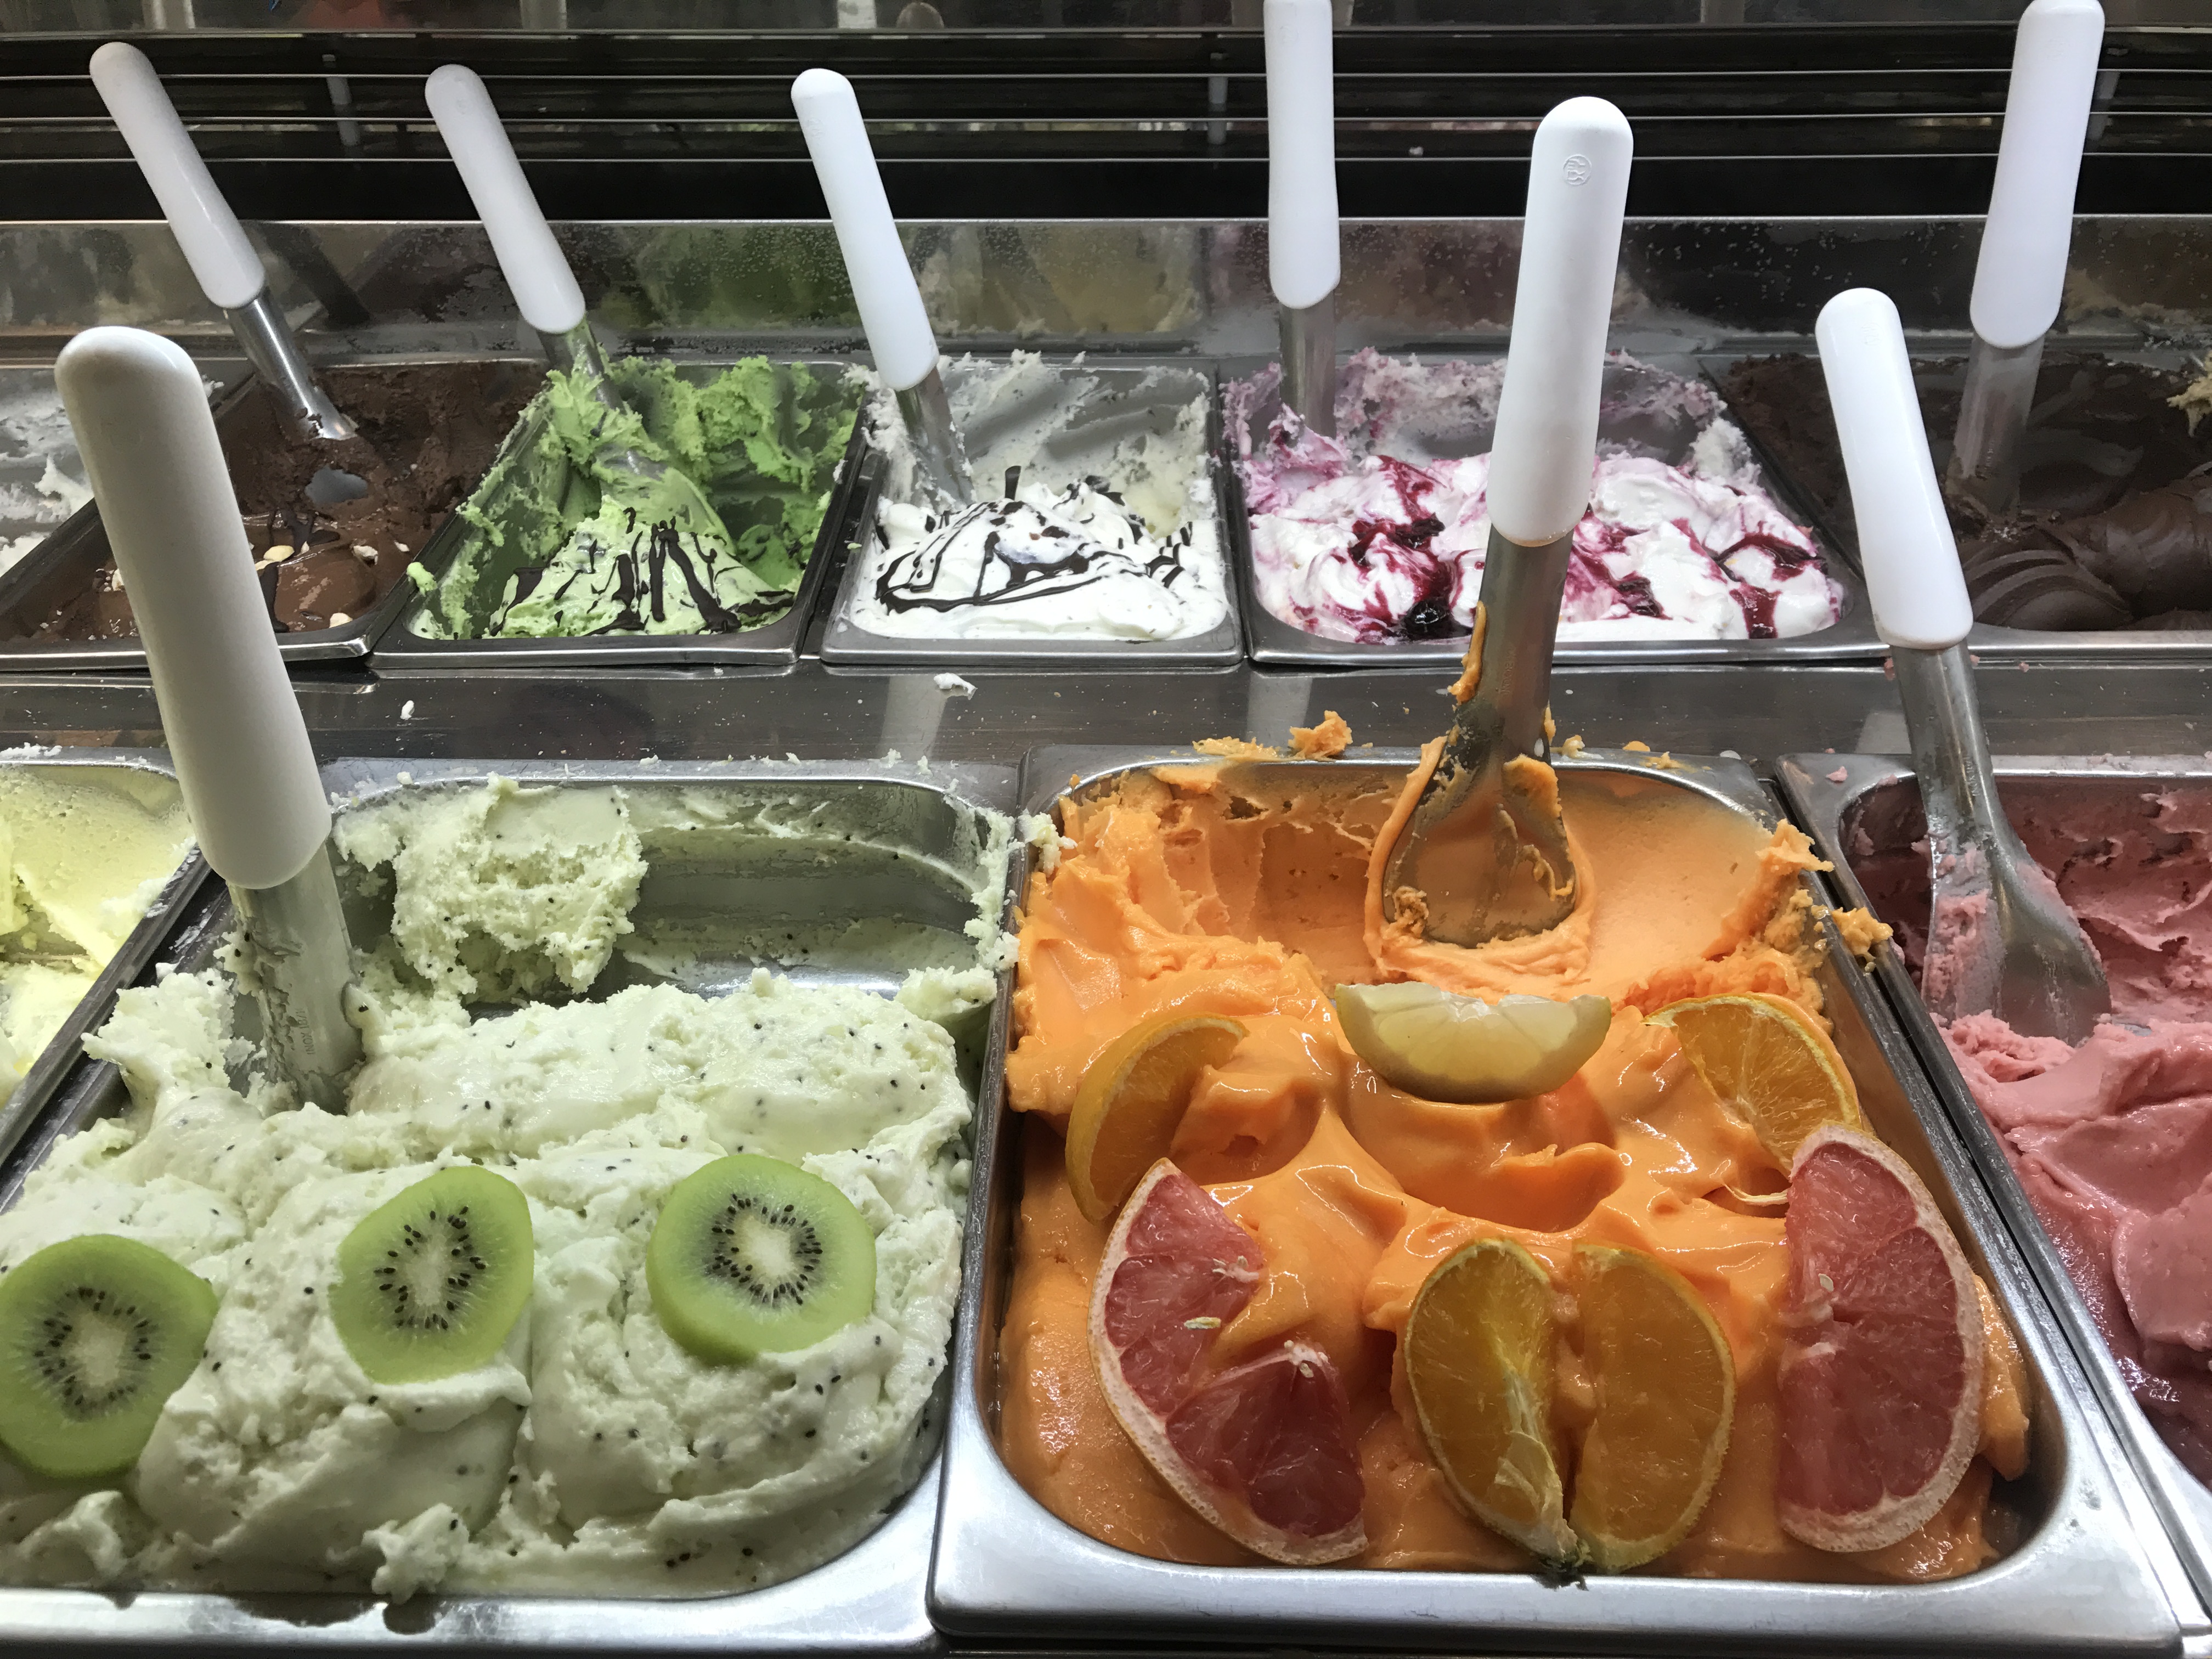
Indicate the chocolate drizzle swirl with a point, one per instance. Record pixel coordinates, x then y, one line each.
1009 551
636 574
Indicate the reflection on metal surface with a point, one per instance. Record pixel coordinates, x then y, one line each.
1685 284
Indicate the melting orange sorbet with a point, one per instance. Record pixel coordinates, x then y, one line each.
1250 891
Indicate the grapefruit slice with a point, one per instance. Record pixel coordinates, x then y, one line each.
1468 1052
1479 1364
1881 1373
1132 1099
1665 1383
1264 1449
1767 1061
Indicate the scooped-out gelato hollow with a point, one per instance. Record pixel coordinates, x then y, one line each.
85 851
675 1067
1094 517
2112 1140
1235 905
1378 536
560 542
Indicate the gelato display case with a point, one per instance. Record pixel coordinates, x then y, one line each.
579 836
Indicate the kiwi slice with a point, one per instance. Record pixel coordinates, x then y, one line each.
753 1255
430 1284
95 1333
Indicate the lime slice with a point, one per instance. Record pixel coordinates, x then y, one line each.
1466 1051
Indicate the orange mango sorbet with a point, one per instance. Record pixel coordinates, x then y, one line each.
1251 891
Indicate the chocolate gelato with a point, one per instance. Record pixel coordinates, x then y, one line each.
2114 529
334 526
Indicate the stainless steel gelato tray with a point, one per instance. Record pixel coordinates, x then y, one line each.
2084 464
63 569
1863 814
1097 409
758 854
1634 421
518 473
142 776
2075 1582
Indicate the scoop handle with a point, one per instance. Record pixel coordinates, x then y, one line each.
532 261
229 272
883 289
2021 276
1905 544
1547 444
1304 260
234 725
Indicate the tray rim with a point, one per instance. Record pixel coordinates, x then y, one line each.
1055 1583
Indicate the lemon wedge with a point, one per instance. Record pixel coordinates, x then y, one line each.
1464 1050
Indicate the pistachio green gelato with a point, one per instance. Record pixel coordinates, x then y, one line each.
562 542
593 1454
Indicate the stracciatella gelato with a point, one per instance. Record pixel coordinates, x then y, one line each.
592 1453
84 851
1378 536
1094 514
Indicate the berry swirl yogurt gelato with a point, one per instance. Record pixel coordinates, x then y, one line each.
1378 536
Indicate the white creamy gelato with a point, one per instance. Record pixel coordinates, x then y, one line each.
1094 517
593 1454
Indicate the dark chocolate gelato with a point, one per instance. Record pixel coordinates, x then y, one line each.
2114 527
334 527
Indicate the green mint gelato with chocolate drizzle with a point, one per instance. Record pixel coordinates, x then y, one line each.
560 544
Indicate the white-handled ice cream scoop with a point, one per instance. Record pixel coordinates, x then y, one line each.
885 292
235 728
1484 854
546 291
1304 259
2020 276
2000 939
229 272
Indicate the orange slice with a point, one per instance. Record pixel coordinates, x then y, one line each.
1768 1061
1132 1099
1665 1383
1480 1364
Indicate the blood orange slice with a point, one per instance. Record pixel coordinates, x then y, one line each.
1880 1374
1263 1449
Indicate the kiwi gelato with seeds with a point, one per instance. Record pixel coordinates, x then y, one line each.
592 1453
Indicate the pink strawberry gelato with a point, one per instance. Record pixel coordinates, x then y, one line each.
2112 1140
1379 535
